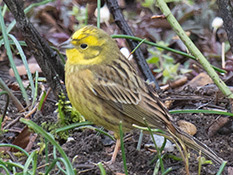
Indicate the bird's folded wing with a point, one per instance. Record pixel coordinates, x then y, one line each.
127 101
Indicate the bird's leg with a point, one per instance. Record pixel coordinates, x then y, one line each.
116 149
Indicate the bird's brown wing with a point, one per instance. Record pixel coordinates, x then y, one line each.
118 82
127 93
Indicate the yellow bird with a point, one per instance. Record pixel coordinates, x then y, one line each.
104 87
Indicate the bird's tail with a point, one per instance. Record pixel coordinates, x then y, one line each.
196 145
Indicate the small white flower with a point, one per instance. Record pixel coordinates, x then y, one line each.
217 22
126 53
104 14
70 139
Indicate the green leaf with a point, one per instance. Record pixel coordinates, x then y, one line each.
166 73
148 3
153 60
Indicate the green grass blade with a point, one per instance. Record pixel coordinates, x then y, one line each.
123 149
47 136
10 57
57 163
157 165
12 164
51 166
42 100
28 162
34 164
22 43
4 10
11 26
46 150
221 168
97 130
5 169
101 167
139 44
65 163
201 111
23 57
159 151
167 171
139 141
85 124
14 146
98 13
74 125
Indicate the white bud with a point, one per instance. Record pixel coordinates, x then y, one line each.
70 139
217 22
126 53
104 14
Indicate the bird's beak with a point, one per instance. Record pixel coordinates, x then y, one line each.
66 45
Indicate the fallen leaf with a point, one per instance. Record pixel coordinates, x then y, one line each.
22 139
201 79
33 67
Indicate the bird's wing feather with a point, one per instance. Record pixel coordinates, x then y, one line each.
111 91
118 82
125 91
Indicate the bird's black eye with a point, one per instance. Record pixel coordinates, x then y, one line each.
83 46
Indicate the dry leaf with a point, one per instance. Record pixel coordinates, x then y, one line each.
33 67
201 79
22 139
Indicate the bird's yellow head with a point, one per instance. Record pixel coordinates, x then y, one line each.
88 46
